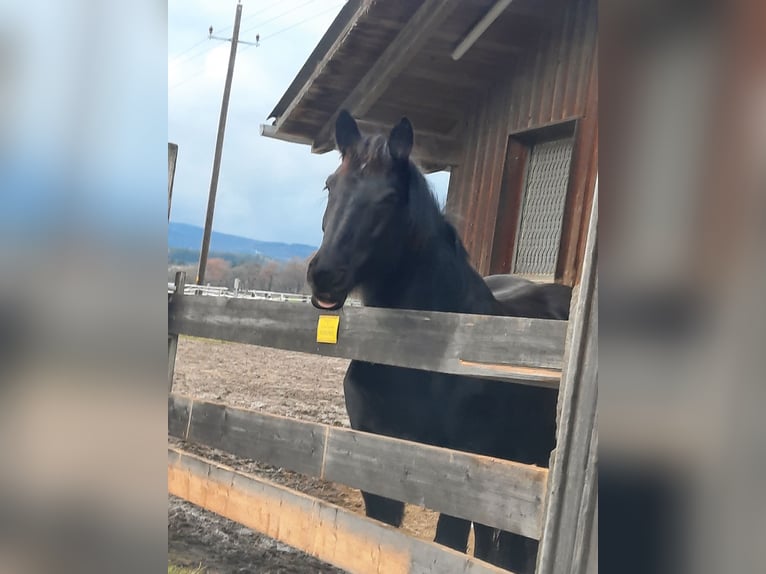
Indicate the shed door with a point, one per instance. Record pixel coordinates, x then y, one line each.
542 209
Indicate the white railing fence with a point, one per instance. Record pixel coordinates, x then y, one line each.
213 291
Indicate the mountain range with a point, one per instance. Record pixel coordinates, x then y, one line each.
187 236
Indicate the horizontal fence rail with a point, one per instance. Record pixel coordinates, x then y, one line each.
507 348
498 493
328 532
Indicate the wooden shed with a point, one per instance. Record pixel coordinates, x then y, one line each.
502 93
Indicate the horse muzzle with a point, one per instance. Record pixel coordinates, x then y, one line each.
329 284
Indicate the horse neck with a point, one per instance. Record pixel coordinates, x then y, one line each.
431 278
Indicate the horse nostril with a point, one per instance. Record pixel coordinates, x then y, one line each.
327 279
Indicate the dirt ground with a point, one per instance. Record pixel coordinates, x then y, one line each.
306 387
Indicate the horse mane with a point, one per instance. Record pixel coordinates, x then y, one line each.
427 219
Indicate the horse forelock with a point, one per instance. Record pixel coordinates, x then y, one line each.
371 155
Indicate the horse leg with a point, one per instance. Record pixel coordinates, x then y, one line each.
515 552
383 509
452 532
484 542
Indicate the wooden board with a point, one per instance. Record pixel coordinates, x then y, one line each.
180 283
570 508
172 158
328 532
278 441
523 350
494 492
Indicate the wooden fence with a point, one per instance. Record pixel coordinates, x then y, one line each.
557 506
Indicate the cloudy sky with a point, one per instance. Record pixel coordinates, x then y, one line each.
268 189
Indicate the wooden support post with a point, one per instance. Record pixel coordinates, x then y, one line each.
180 283
172 158
208 230
569 525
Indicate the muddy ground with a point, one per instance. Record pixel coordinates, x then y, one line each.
306 387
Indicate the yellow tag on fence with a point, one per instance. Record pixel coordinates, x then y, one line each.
327 329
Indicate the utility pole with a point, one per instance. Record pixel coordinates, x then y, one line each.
218 150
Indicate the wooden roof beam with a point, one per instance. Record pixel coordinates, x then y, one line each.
481 26
392 61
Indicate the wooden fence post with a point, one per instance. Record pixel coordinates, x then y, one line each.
172 157
569 535
180 283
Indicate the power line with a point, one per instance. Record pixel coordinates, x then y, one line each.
195 56
269 36
221 31
188 49
186 80
277 17
208 50
335 7
256 13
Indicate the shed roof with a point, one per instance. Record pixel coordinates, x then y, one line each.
382 59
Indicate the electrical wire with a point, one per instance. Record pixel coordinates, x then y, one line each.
177 56
254 14
277 17
296 24
269 36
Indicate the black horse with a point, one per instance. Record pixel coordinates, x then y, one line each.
385 237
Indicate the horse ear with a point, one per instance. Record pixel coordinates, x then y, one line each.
346 132
400 140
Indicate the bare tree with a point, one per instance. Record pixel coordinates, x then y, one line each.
268 275
292 277
218 272
248 273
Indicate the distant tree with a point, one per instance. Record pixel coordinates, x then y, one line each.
269 273
191 273
218 272
248 274
292 276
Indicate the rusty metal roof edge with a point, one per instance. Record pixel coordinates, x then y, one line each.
341 20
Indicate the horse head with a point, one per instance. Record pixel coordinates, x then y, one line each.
366 219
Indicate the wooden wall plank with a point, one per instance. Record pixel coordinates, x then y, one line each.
529 351
328 532
492 185
495 492
580 189
509 207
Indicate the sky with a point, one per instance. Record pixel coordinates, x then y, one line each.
268 189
